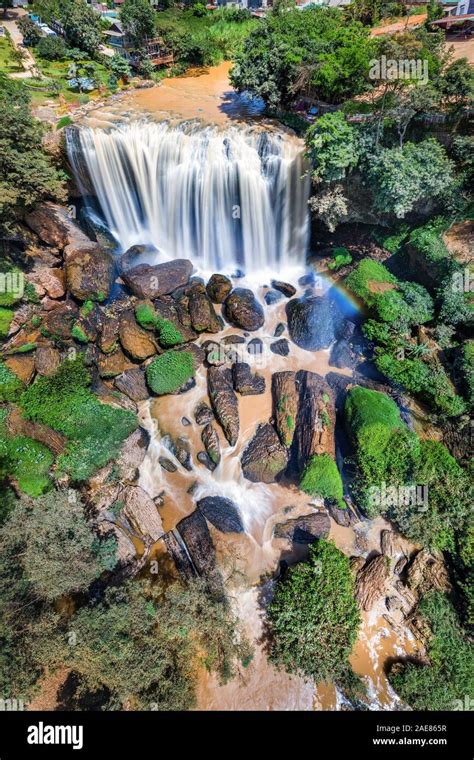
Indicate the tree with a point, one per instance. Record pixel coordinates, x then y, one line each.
27 173
58 551
456 84
119 67
313 617
405 178
332 146
314 51
81 25
138 18
51 48
141 646
30 31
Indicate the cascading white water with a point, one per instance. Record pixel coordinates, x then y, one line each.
223 198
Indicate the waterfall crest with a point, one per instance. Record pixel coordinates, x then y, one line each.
224 198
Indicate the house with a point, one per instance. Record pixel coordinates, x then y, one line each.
459 17
155 49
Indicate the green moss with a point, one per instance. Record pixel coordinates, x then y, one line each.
30 462
78 334
95 431
6 316
10 384
290 422
25 348
145 316
87 308
36 320
24 460
169 371
340 258
322 478
169 335
384 447
365 278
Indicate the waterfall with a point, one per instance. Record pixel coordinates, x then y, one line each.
223 198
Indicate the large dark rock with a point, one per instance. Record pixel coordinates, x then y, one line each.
284 287
345 517
304 530
89 271
211 443
133 384
194 532
245 382
264 458
280 347
222 513
201 311
224 401
203 414
315 421
147 281
313 322
285 405
341 355
218 288
242 309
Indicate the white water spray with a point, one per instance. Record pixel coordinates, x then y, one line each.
223 198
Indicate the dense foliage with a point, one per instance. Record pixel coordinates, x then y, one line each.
314 617
27 173
445 683
289 52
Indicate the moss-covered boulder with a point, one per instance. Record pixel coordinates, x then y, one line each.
322 478
168 372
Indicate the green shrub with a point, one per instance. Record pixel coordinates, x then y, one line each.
169 371
449 678
95 431
445 516
403 303
420 378
340 258
467 370
314 617
64 121
10 384
322 478
6 316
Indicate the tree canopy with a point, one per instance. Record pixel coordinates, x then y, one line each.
292 53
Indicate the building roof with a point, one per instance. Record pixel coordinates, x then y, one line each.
449 20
